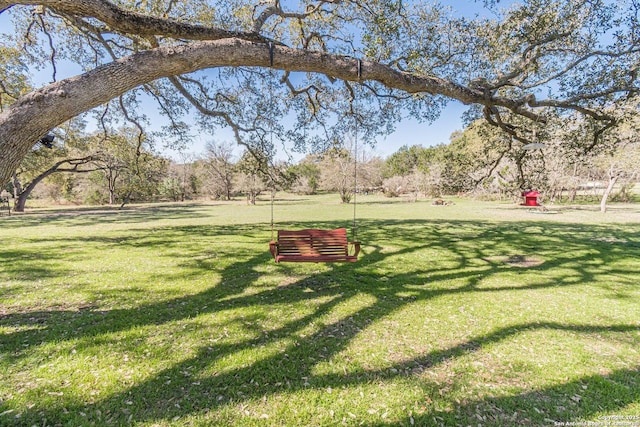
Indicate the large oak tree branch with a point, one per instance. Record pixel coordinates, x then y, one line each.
133 22
34 114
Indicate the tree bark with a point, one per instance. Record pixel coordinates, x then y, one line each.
17 186
111 186
136 23
607 192
34 114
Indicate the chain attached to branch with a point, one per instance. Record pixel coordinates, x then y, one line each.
355 155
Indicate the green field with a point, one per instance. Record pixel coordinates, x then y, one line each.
472 314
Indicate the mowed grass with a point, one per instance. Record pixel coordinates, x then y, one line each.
472 314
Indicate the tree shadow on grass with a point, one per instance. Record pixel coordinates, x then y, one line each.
193 385
585 401
41 265
174 393
90 216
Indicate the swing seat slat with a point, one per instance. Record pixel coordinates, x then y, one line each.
314 245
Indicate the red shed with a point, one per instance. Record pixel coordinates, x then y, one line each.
530 198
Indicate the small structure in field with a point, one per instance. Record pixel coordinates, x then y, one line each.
530 198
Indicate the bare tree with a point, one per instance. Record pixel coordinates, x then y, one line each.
622 165
252 176
338 172
219 170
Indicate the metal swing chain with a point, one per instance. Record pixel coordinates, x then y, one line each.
272 197
273 192
355 159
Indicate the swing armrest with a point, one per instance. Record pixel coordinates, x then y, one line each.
273 248
355 248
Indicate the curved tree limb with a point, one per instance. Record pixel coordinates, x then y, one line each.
37 112
118 31
136 23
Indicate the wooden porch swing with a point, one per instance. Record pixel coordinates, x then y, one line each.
316 245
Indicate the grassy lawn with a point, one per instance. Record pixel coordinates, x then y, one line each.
472 314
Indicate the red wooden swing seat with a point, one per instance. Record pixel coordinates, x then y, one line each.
313 245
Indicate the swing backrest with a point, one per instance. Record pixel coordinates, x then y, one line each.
313 245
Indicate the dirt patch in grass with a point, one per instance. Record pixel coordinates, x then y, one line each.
520 261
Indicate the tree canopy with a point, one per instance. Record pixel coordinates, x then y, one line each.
333 65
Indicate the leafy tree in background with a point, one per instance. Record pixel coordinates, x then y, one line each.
253 175
620 167
181 181
402 162
171 188
330 64
478 158
622 163
408 159
14 80
70 154
308 174
126 170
